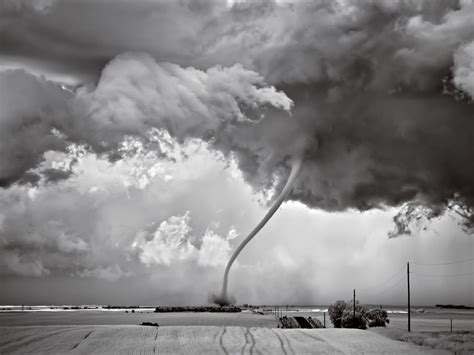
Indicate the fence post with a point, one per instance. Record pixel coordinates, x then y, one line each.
324 319
451 324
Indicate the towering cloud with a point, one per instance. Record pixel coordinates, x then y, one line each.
464 68
134 95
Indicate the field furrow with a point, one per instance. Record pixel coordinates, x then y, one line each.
196 340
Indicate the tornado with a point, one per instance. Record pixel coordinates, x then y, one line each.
223 298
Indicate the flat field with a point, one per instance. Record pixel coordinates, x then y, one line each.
92 331
92 317
198 340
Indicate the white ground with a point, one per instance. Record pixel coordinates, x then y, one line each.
197 340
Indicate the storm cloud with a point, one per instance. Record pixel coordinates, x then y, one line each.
375 84
375 96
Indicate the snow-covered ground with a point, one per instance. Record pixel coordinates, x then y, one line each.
198 340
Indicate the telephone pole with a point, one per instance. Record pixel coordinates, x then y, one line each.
354 311
408 284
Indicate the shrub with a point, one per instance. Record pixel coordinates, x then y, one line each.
289 322
341 314
315 323
335 312
225 309
377 318
349 320
150 324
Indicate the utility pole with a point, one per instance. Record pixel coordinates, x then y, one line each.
354 312
408 284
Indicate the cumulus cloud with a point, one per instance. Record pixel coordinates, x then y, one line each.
171 243
215 250
88 225
134 95
464 68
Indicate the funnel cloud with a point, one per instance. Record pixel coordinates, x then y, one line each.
223 298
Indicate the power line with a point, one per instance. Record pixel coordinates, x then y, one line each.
403 277
364 289
391 287
440 275
383 283
447 263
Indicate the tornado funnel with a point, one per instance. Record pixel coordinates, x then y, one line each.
223 298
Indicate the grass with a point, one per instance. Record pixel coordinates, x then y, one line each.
460 341
457 341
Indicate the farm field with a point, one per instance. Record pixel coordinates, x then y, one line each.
432 322
243 319
198 340
420 322
92 331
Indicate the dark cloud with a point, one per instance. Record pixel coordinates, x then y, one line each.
55 175
378 149
32 110
372 112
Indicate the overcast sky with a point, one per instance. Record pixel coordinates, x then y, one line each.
140 141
